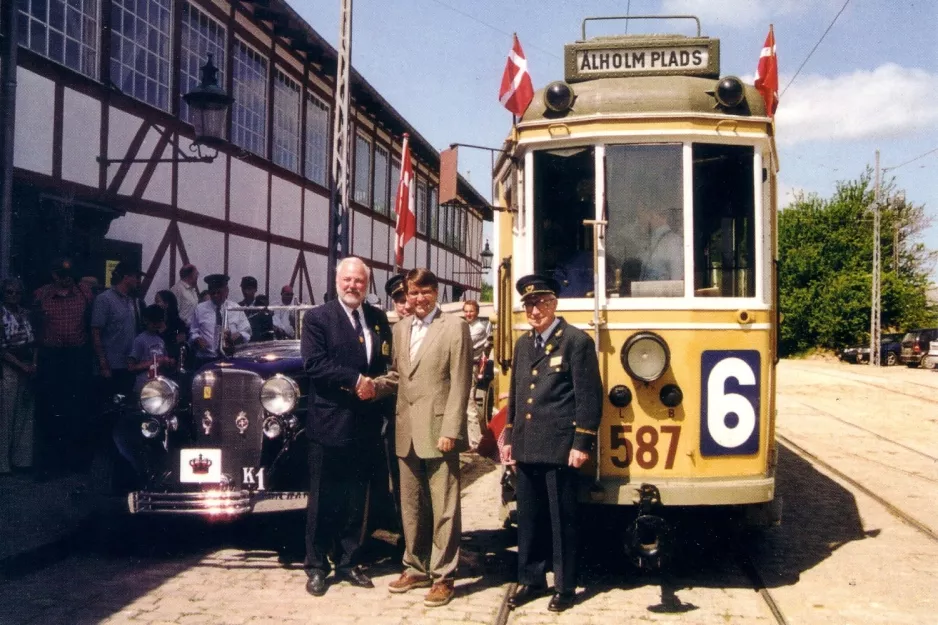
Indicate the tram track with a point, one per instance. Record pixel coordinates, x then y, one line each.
890 507
748 567
867 380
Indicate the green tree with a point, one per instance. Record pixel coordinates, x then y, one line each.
826 259
486 295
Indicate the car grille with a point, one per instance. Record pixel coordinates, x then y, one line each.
231 398
205 503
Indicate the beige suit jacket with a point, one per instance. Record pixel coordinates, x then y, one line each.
433 389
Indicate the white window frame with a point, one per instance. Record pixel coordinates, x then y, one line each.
381 185
201 35
130 50
65 34
361 183
317 139
286 146
245 95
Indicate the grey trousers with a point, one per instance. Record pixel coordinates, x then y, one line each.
431 515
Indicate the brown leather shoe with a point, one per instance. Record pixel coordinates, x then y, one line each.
440 594
408 582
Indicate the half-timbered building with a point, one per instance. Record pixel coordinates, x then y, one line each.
103 80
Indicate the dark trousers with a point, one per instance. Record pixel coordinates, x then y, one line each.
63 417
336 506
547 503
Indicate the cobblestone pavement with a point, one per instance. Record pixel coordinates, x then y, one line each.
839 556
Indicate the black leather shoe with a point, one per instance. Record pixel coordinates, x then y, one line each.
356 577
525 594
316 584
561 601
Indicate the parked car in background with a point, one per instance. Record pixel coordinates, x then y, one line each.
915 347
890 346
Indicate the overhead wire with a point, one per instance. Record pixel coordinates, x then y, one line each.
911 160
803 63
495 28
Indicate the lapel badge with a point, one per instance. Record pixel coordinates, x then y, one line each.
549 348
385 348
558 333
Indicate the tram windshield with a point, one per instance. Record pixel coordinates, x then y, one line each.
563 198
644 246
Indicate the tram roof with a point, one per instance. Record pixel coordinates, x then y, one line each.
644 95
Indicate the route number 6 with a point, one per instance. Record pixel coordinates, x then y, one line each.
730 403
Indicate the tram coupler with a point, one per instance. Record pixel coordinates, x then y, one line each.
647 540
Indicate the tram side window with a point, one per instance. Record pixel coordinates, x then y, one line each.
724 220
645 211
563 198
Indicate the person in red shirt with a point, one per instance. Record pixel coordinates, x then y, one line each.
62 418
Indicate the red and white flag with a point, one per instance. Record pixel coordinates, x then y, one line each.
404 204
517 90
767 74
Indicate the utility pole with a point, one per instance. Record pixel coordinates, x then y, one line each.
341 136
875 320
7 132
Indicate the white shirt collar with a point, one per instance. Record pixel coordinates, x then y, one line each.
426 320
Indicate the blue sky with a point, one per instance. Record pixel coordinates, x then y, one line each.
871 84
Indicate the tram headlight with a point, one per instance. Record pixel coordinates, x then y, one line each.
645 356
272 427
730 91
279 395
558 96
150 428
159 396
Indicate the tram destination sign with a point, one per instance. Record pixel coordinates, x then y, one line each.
620 57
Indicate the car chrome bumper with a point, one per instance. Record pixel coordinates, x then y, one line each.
215 503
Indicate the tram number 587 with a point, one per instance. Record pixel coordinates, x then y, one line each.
729 402
645 447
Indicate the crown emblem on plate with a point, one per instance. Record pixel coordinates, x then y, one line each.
200 465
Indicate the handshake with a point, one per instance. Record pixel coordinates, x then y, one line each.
365 389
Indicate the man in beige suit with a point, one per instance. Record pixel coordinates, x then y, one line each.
432 357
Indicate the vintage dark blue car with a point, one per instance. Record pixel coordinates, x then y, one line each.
225 442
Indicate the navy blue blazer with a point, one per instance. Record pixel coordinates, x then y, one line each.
333 358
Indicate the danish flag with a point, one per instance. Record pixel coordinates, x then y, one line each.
404 204
517 90
767 74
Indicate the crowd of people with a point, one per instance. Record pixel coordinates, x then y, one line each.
71 336
410 387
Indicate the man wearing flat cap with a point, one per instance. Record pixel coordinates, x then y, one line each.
207 333
554 409
248 290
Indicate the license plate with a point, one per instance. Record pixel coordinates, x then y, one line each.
197 466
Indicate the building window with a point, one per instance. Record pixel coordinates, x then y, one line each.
421 201
286 122
65 33
381 180
249 111
362 194
434 214
317 139
395 181
140 49
201 36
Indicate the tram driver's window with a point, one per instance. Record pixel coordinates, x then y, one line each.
724 219
645 211
563 198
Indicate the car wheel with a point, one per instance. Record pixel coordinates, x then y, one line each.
927 363
891 359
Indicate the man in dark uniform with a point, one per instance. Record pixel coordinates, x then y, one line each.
554 409
345 344
248 290
395 290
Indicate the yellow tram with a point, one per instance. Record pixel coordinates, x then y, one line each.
645 183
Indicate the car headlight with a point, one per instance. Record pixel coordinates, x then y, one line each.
645 356
279 395
159 396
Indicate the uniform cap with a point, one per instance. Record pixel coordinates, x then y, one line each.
394 286
216 280
249 282
537 284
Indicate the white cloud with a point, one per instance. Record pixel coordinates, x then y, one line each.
887 102
733 12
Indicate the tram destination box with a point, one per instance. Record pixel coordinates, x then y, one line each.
625 57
